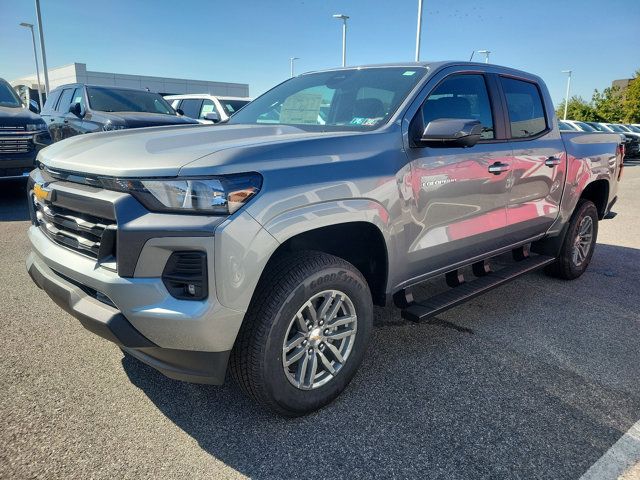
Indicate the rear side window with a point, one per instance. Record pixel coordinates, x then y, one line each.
526 113
65 100
191 107
50 104
461 96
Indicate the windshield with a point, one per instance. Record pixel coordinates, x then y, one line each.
598 127
566 126
8 96
122 100
623 128
615 128
585 127
357 99
232 106
633 128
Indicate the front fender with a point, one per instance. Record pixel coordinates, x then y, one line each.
243 247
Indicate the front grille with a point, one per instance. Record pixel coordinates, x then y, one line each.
12 128
86 234
15 144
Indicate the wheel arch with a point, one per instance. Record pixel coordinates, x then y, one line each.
365 248
598 193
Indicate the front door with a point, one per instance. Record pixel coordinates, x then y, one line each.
459 206
57 126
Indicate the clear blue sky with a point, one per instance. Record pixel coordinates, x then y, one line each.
250 41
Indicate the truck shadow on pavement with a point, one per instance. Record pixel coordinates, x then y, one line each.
538 381
13 201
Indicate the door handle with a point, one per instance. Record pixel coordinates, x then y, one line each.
552 162
51 119
498 167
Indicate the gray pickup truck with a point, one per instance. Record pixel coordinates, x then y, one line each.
261 245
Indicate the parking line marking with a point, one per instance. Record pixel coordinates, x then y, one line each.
621 461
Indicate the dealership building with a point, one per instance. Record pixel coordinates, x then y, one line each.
78 73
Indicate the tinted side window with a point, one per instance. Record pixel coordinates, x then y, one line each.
65 100
191 107
526 113
461 96
207 107
50 104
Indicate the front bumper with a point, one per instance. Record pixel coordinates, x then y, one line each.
109 323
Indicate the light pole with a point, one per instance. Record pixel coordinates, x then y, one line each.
419 30
35 55
291 60
344 19
44 55
486 55
566 96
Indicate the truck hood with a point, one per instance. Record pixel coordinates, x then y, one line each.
17 117
161 151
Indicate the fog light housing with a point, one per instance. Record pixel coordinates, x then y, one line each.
185 275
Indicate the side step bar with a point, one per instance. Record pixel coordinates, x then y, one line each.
418 311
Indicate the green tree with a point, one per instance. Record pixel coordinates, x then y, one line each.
631 102
609 103
579 109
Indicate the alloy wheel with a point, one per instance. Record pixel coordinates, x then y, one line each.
319 339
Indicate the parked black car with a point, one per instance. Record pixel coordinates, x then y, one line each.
77 108
631 141
22 134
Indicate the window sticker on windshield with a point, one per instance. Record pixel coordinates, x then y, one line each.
301 108
357 120
408 73
371 121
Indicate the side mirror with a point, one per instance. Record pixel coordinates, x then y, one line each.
180 112
76 109
451 132
33 106
212 116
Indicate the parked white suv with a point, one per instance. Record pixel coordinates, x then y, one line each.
207 108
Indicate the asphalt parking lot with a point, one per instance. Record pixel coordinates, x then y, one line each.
537 379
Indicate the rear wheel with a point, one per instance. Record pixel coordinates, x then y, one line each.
579 243
305 333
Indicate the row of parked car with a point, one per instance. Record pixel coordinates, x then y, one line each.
75 109
630 133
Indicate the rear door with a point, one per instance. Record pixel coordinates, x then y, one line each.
539 159
459 208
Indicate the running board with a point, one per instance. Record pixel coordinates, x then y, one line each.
418 311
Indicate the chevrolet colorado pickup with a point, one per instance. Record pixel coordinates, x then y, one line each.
261 244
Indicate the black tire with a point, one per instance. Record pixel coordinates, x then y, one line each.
565 266
256 362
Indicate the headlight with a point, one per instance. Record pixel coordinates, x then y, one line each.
221 195
35 127
109 126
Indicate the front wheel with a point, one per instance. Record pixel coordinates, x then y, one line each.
305 333
579 243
